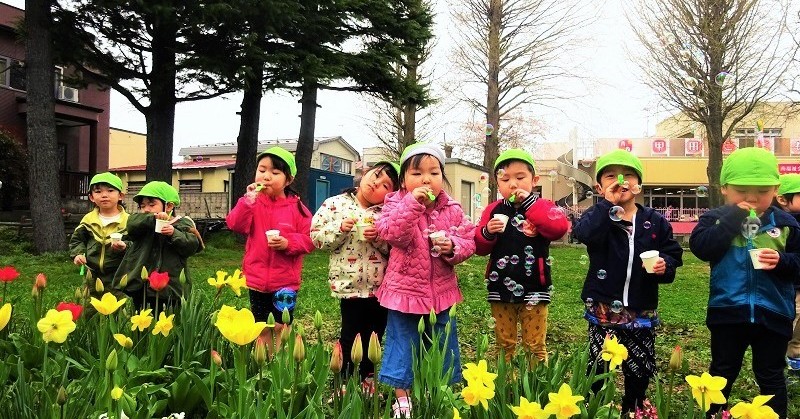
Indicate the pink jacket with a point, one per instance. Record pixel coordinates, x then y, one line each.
416 282
265 269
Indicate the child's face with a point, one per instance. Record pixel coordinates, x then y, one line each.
428 173
610 176
792 205
759 197
516 176
274 181
105 196
374 186
154 205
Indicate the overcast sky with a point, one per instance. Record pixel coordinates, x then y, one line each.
613 104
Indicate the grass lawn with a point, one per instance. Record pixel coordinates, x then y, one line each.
682 304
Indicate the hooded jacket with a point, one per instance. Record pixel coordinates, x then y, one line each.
415 281
93 240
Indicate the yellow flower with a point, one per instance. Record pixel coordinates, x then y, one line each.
707 389
239 327
237 282
529 410
142 320
563 403
164 324
123 340
479 374
56 326
756 410
456 415
475 393
219 281
5 315
107 304
613 352
116 393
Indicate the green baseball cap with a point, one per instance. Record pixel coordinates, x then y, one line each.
619 157
107 178
514 154
790 183
161 190
751 166
394 165
282 154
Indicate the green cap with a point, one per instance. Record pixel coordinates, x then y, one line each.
751 166
423 148
282 154
514 154
107 178
161 190
790 183
619 157
394 165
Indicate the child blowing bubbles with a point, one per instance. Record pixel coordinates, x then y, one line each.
420 276
519 254
789 200
748 306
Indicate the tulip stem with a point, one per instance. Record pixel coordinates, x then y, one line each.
44 364
241 372
669 394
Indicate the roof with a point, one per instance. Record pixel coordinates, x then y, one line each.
10 15
206 164
230 148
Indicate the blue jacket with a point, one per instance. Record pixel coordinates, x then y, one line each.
615 250
739 293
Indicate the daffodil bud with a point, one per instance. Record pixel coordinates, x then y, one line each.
61 398
432 318
123 282
336 358
374 349
215 358
421 325
285 317
676 359
111 361
271 321
299 353
318 321
98 286
259 353
145 274
357 351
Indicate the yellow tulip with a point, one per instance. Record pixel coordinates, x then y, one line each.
237 281
299 352
357 351
219 281
563 404
123 340
107 304
613 352
116 393
676 359
164 324
239 327
259 352
374 348
98 286
56 326
5 315
707 389
142 321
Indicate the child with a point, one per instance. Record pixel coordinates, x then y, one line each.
789 200
420 276
92 243
161 251
747 306
344 226
620 295
277 225
518 275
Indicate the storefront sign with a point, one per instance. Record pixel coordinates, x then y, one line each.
626 145
730 145
693 147
659 147
784 168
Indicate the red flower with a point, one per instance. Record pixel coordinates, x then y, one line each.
41 281
76 309
8 274
158 280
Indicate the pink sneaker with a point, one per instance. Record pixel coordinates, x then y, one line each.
401 408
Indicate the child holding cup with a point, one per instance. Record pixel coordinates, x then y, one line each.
751 300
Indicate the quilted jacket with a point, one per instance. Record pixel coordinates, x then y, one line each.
415 281
356 267
93 240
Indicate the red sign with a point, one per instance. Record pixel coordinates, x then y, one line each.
658 146
766 143
626 145
794 148
693 146
729 146
785 168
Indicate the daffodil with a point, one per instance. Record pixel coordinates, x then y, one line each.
237 282
116 393
123 340
479 374
707 389
107 304
219 281
563 404
755 410
238 326
164 324
5 315
456 415
56 326
142 321
613 352
529 410
475 393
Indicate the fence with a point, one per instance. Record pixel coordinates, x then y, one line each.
671 214
195 204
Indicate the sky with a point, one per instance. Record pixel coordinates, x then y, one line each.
613 103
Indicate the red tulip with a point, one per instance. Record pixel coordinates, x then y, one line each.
8 274
76 309
41 281
158 280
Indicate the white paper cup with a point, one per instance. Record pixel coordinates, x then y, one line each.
160 224
649 258
754 258
503 218
273 233
115 237
436 236
360 227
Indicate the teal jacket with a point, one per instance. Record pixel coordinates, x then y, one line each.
92 240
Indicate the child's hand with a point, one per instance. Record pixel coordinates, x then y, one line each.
162 216
660 267
347 225
421 194
769 258
445 246
278 243
745 206
529 229
495 226
168 230
118 246
613 193
80 260
521 195
252 193
370 233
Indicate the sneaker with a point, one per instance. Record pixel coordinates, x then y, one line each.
401 408
794 365
368 385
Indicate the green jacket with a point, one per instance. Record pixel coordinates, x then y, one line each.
157 252
92 240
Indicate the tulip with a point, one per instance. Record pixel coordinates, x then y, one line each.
299 353
41 281
78 293
182 277
318 320
123 340
144 274
374 348
215 358
8 274
111 360
98 286
61 397
116 393
158 280
357 351
271 320
421 325
238 326
432 317
123 282
259 352
336 358
56 326
285 317
676 359
107 304
285 332
5 315
75 309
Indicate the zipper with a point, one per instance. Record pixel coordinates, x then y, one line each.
102 256
629 268
433 288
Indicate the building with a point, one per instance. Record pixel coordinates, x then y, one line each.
126 148
82 114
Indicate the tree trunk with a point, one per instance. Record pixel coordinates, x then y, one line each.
410 109
714 137
45 195
247 142
490 147
305 141
160 115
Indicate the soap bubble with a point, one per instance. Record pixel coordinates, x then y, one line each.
701 191
616 212
583 259
535 299
1 184
530 259
646 225
489 129
501 173
723 78
493 276
555 213
284 298
589 194
436 251
431 228
616 306
486 190
501 263
484 178
519 290
690 83
685 54
434 214
511 286
601 274
549 261
506 281
528 249
636 189
586 163
528 272
553 175
514 259
490 323
477 198
570 181
529 305
589 303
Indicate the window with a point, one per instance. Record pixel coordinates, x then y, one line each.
335 164
747 136
675 201
12 73
190 185
135 187
466 197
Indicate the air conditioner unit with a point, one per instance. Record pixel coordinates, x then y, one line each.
67 93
